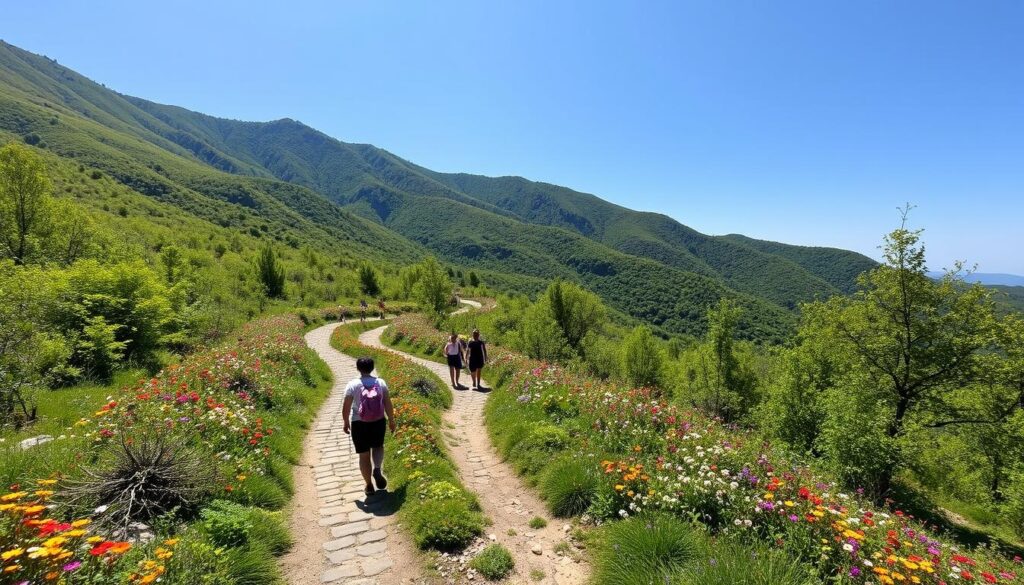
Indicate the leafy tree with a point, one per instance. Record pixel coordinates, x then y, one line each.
908 340
433 291
641 358
539 335
271 272
369 282
99 348
170 258
474 280
574 309
21 316
716 374
25 192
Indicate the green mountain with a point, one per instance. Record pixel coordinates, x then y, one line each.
301 186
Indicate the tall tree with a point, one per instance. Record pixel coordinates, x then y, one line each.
271 273
908 338
576 310
641 358
369 282
717 379
25 192
433 290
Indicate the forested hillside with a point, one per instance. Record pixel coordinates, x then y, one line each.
287 182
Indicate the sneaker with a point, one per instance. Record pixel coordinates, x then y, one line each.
369 491
379 479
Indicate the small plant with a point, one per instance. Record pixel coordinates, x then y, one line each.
537 523
537 575
445 525
734 564
569 487
442 490
146 479
651 549
494 562
511 532
227 523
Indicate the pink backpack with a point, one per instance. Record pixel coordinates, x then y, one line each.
371 404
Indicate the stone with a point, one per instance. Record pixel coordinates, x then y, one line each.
350 529
372 536
371 549
340 572
339 543
373 567
33 441
537 549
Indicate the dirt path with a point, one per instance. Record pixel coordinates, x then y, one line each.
340 535
505 499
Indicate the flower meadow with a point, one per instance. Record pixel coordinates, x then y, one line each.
645 454
237 411
434 504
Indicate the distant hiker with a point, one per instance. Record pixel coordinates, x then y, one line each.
477 358
367 402
383 309
454 351
362 310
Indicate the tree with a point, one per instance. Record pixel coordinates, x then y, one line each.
641 358
170 258
433 291
369 282
907 339
474 280
25 192
575 310
271 273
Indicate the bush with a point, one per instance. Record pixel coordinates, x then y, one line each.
733 564
494 562
537 523
446 525
568 487
651 549
227 523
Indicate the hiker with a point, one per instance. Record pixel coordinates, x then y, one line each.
455 353
367 401
362 310
383 309
477 358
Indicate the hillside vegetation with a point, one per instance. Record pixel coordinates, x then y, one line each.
285 180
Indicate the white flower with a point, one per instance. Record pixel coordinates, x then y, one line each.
100 509
848 547
733 485
737 522
623 514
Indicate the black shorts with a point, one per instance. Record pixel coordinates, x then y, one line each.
368 435
475 363
455 361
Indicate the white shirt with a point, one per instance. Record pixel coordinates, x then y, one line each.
354 390
452 348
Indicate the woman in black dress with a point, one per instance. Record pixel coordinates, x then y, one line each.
477 358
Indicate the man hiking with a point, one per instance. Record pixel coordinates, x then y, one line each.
366 411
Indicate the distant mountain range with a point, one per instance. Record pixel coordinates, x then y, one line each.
989 278
300 185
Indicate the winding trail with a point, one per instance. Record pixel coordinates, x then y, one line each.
341 536
505 499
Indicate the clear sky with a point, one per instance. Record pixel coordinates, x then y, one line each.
803 122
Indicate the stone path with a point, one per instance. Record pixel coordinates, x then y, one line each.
503 496
357 548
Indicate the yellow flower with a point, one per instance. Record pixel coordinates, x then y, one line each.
81 523
11 568
769 496
619 487
788 503
43 493
46 482
94 539
171 541
55 542
10 554
13 497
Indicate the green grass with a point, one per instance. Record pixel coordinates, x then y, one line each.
537 523
647 549
493 562
568 487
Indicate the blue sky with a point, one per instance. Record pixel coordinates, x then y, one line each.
803 122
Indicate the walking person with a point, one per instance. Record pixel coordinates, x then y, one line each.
453 351
366 411
477 358
383 309
362 310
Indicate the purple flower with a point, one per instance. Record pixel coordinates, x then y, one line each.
72 565
854 571
794 518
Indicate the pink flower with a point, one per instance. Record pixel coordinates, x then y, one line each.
72 565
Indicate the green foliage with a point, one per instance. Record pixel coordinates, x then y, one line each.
575 310
728 563
650 549
568 487
24 202
271 273
494 562
537 523
227 523
98 348
445 525
641 358
433 290
369 282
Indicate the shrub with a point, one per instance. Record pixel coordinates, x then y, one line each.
446 525
568 487
651 549
733 564
227 523
442 490
548 437
146 478
537 523
494 562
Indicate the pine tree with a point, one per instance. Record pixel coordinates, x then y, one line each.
271 272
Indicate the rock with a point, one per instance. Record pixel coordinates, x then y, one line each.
492 537
33 441
566 528
537 549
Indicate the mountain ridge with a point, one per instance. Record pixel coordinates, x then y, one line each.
645 264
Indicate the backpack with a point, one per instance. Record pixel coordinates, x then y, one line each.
371 403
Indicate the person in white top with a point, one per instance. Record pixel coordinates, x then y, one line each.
453 351
366 410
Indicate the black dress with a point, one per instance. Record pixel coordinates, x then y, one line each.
476 354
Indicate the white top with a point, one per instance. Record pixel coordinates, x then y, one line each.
354 390
452 348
